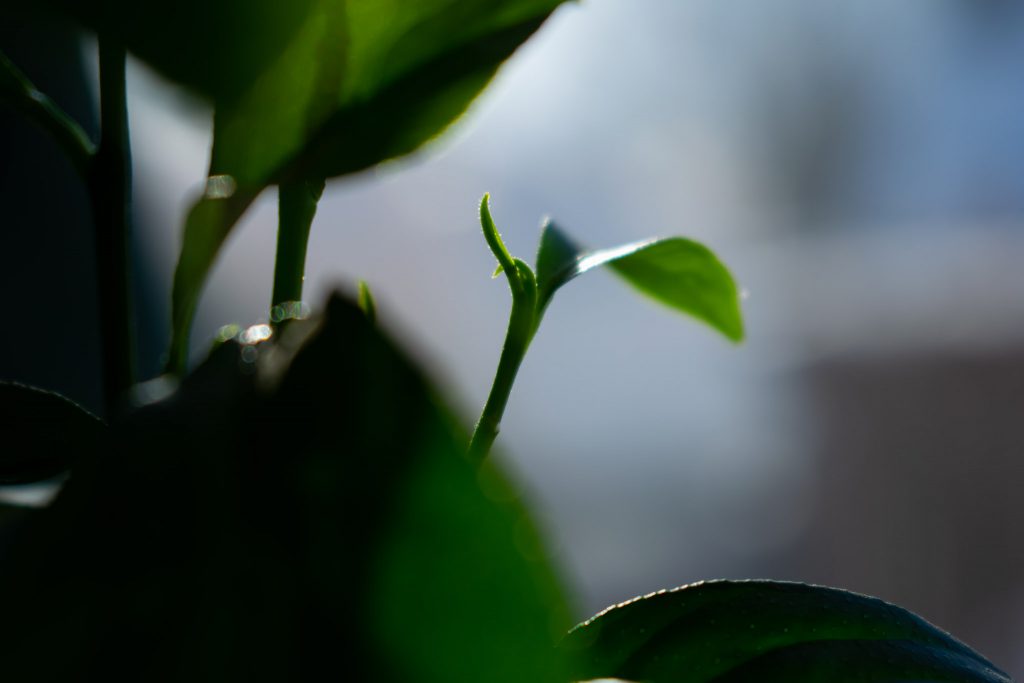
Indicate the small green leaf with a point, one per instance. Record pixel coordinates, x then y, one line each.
557 262
43 432
494 241
769 631
366 302
682 274
678 272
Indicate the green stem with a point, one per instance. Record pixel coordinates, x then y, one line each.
522 324
297 202
19 92
110 190
517 341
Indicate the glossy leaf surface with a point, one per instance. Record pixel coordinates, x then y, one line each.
769 631
44 433
678 272
298 510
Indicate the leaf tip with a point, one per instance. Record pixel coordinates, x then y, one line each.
366 301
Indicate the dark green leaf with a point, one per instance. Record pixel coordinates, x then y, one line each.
557 262
678 272
299 509
767 631
44 433
411 71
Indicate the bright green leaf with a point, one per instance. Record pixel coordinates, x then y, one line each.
769 631
352 84
367 304
680 273
43 432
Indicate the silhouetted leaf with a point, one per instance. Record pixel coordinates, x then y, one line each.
43 433
678 272
299 509
767 631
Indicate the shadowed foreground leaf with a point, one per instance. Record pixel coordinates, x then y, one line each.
678 272
765 631
300 509
43 433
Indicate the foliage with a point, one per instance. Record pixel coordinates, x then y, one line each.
303 502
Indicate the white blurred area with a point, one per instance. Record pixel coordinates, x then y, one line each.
858 164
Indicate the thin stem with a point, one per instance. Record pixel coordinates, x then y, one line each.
18 91
521 327
110 191
296 207
517 341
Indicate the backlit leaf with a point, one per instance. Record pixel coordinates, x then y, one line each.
769 631
678 272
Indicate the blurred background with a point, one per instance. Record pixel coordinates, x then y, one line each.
860 167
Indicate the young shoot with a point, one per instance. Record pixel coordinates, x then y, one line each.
678 272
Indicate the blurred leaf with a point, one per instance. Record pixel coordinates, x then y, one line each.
300 508
207 226
678 272
412 68
43 433
767 631
366 302
354 83
218 48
